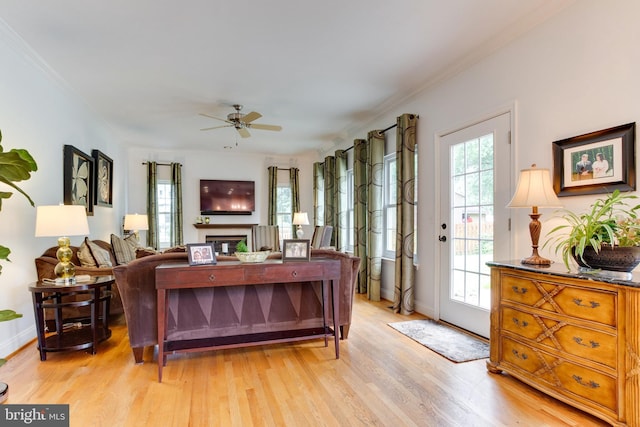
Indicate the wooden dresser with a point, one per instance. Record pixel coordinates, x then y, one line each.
573 336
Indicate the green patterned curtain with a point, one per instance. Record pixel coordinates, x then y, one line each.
272 211
329 191
295 194
360 192
375 201
176 205
152 204
340 201
403 295
318 193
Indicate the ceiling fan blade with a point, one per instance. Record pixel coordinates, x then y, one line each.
213 117
249 117
265 127
217 127
243 132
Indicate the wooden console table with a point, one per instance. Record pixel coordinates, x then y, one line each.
574 336
231 273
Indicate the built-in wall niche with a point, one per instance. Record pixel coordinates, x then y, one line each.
225 245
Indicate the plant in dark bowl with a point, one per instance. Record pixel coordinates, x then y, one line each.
611 228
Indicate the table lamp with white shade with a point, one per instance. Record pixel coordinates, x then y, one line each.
534 191
135 223
62 221
300 219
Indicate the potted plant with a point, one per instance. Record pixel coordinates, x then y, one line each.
15 165
607 236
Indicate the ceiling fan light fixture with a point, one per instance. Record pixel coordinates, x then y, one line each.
242 122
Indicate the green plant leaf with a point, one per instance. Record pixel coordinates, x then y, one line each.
4 253
6 315
16 165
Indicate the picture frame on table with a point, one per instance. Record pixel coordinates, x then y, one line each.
296 250
201 253
103 179
78 178
596 162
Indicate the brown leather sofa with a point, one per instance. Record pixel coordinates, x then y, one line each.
46 263
206 306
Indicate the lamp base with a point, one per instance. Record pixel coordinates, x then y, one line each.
64 269
535 260
299 232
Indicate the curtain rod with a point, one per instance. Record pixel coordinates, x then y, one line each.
389 128
382 131
161 164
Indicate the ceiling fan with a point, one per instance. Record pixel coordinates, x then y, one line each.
242 122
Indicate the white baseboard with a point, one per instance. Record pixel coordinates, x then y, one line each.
14 343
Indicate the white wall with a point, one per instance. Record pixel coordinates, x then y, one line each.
576 73
39 114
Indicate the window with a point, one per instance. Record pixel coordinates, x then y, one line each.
350 219
389 209
284 211
165 201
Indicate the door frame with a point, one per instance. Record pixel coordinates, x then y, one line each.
510 108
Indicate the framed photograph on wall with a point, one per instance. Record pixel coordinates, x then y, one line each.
201 253
597 162
78 178
103 179
296 250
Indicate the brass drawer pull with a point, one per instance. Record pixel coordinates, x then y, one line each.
519 324
212 277
590 384
518 290
592 344
517 354
592 304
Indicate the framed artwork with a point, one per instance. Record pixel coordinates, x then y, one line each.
296 250
201 253
103 179
597 162
78 178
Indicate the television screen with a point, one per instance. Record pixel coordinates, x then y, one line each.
223 197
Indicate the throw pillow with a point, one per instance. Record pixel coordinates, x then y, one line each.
124 250
100 255
180 248
143 252
85 256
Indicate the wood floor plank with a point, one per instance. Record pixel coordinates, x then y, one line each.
381 379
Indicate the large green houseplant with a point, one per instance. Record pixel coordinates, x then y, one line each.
610 223
15 165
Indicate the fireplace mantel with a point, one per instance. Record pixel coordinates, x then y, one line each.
219 226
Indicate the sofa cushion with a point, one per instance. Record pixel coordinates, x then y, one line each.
101 257
85 256
124 250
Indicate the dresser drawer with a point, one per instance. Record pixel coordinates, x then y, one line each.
565 377
561 335
582 303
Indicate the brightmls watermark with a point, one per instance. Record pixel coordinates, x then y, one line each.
34 415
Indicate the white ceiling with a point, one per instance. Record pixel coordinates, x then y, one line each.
317 68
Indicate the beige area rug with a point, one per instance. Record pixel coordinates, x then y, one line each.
444 340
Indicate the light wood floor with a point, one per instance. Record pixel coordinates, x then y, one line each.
381 379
